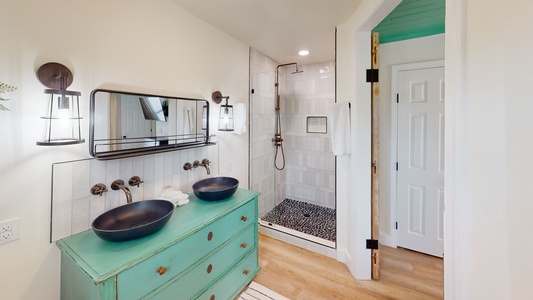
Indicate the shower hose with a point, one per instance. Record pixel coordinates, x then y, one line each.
279 144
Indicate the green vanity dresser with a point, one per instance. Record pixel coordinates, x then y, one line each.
208 250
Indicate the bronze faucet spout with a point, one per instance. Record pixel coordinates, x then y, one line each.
119 184
205 163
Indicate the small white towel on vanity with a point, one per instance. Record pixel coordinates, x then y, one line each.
339 115
239 118
173 195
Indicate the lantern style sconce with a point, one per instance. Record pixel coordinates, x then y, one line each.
63 121
225 121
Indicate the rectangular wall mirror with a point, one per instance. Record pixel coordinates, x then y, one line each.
124 124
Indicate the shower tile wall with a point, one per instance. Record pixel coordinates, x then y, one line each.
74 207
310 168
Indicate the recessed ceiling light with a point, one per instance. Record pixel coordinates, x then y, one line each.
303 52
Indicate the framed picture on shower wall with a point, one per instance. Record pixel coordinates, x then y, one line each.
317 124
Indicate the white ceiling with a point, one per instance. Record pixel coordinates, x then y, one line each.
278 28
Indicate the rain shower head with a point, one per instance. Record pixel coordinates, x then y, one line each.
297 70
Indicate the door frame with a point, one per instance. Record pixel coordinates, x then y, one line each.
395 73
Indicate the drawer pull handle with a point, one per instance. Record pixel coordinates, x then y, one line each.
244 218
209 268
245 272
212 297
210 235
243 245
161 270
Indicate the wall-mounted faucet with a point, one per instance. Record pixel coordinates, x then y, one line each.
205 163
119 184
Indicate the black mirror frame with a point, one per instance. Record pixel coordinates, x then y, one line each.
114 154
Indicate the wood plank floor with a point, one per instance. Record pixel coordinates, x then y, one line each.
298 273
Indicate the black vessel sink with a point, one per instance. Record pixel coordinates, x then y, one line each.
215 188
133 220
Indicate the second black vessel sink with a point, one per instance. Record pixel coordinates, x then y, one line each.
215 188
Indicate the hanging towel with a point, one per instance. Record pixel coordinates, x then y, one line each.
188 121
239 118
339 114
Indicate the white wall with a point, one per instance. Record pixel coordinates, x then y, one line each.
408 51
143 46
489 149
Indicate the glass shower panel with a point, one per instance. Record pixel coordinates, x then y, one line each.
262 172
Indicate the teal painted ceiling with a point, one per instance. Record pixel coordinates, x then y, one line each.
412 19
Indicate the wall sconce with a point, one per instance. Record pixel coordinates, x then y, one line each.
63 121
225 121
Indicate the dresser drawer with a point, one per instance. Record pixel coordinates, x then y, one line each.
151 273
194 281
234 281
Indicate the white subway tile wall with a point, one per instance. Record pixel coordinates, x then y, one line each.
310 168
74 207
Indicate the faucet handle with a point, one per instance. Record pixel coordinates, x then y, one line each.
98 189
135 181
205 161
115 185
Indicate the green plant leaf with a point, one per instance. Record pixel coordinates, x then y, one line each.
5 88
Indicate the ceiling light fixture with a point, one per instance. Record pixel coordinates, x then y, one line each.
303 52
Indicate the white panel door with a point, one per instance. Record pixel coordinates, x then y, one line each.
420 185
133 123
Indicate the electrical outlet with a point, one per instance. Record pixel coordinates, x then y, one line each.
6 235
9 231
6 227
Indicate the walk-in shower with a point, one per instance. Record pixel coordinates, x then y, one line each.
292 166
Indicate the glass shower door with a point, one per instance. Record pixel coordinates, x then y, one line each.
262 171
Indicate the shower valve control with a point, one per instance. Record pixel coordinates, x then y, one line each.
277 139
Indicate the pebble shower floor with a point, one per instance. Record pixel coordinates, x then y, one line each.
304 217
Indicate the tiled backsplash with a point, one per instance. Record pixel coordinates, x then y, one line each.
74 207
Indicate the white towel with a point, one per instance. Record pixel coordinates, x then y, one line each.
181 202
173 195
339 115
239 118
188 120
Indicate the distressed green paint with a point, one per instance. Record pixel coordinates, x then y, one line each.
412 19
187 253
95 269
223 288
